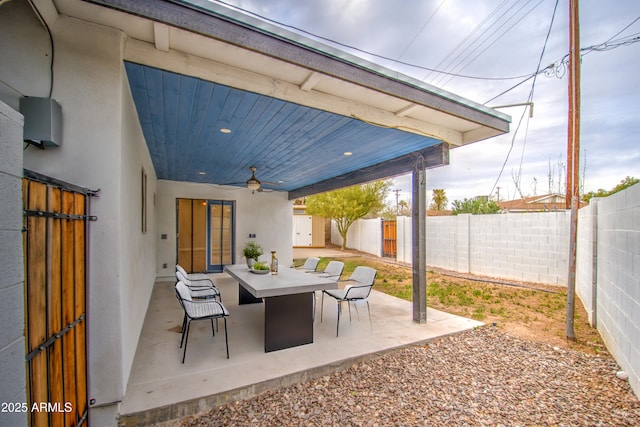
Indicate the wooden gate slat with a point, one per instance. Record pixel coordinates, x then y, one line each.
37 298
79 249
68 305
55 298
389 235
56 393
79 303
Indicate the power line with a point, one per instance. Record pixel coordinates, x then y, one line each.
386 58
553 68
470 60
558 68
421 29
467 37
480 40
530 99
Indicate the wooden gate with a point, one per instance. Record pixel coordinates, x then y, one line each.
389 248
55 225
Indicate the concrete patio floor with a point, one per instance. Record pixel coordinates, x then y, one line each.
161 388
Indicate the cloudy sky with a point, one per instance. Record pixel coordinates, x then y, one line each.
501 38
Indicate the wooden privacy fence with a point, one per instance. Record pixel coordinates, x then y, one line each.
389 237
55 243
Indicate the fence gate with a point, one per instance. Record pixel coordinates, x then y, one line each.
389 236
55 242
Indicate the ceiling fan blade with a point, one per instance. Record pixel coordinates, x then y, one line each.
254 180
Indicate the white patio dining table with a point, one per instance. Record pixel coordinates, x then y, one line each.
289 298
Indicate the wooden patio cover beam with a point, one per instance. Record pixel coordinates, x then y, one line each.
431 157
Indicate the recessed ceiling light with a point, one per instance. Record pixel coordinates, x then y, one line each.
202 173
348 153
225 130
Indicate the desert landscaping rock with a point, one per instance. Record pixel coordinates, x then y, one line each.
483 377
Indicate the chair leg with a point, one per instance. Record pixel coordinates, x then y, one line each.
212 328
184 351
338 322
184 325
355 304
369 310
226 337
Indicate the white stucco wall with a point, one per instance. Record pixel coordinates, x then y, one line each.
138 248
102 148
363 235
403 240
265 214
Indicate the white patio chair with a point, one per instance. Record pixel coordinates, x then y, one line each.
194 277
201 289
199 310
358 289
333 270
310 265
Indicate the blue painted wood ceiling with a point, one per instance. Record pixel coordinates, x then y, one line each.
289 144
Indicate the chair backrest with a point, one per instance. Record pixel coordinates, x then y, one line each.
334 268
363 275
183 291
311 264
181 270
357 291
182 277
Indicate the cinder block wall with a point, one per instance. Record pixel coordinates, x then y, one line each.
586 258
530 247
12 365
442 234
535 247
618 279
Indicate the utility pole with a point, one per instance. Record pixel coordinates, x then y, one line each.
573 163
498 190
397 191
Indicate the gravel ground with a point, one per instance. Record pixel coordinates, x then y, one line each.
482 377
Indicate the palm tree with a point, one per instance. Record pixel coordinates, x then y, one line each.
439 201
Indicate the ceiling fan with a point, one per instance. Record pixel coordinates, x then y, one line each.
254 184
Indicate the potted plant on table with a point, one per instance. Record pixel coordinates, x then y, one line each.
252 252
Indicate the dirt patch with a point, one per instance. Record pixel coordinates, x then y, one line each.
532 311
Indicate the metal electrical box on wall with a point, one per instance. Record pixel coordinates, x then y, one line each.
42 121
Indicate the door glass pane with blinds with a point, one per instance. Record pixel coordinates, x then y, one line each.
220 247
205 234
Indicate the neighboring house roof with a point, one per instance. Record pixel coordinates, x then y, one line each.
294 105
544 203
433 212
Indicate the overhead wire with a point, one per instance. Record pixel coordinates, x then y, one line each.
53 51
461 43
479 40
469 59
558 68
530 98
526 77
365 51
421 30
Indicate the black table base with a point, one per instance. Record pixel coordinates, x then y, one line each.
288 321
